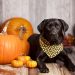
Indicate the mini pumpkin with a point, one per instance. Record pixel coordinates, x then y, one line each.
17 63
18 26
11 47
24 58
31 64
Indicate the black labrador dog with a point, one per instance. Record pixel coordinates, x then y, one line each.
47 46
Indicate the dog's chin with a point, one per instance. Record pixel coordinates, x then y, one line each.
54 42
53 39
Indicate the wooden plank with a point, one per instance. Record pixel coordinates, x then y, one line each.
33 71
13 71
6 72
53 68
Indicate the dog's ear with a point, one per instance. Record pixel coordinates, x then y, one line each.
64 25
40 27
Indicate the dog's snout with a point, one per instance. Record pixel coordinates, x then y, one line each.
53 30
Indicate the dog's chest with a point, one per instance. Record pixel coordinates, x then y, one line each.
51 51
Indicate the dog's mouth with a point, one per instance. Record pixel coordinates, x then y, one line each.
53 39
54 36
54 42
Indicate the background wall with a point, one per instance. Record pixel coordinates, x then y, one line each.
73 11
37 10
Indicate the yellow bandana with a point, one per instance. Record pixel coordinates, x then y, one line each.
51 51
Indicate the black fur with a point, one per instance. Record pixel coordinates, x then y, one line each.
53 30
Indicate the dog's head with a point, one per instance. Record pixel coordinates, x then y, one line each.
53 30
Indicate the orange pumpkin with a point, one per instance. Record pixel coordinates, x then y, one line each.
31 64
18 26
11 47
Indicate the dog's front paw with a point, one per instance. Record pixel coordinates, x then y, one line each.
44 70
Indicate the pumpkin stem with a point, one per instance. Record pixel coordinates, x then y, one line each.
22 31
4 31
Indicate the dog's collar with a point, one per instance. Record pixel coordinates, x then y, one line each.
51 51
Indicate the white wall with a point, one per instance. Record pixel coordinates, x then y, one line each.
1 11
36 10
15 8
73 11
60 9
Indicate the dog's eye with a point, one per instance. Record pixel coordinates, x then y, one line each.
49 26
57 26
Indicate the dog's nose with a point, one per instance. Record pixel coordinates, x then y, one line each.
54 32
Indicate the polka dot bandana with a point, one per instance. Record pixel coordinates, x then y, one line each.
51 51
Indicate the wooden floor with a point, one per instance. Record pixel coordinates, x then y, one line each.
53 68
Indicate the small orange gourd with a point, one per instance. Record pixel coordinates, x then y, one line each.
31 64
24 58
17 63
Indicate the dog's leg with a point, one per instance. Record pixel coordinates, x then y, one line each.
67 62
68 50
41 64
